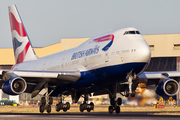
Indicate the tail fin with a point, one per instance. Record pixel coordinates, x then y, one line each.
23 50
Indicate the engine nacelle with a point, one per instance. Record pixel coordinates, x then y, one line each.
14 86
167 88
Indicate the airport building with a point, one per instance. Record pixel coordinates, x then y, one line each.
165 52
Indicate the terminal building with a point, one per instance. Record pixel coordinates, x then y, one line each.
165 53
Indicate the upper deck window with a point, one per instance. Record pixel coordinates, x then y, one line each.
132 32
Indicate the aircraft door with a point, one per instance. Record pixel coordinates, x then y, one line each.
85 62
106 57
62 64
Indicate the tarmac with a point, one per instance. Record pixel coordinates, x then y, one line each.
88 116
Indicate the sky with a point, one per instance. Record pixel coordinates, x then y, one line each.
47 21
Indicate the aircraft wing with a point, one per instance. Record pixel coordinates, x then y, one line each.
33 78
152 78
60 77
159 75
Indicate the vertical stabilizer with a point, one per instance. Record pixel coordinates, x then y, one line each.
23 50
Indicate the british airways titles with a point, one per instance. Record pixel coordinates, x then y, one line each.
84 53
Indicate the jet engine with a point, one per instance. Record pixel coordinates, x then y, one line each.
167 88
14 86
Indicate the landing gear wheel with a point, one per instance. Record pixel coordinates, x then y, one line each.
82 107
68 105
133 94
112 101
58 107
92 106
117 109
46 100
88 109
61 105
50 100
85 105
41 108
119 101
111 109
64 109
48 109
43 100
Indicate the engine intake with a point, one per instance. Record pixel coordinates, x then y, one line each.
168 87
14 86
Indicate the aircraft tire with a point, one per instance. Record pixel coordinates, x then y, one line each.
68 105
48 109
81 107
64 109
50 100
119 101
88 109
61 105
43 101
117 109
112 101
41 108
111 109
85 105
58 107
92 106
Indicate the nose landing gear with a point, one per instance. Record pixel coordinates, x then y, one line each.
130 90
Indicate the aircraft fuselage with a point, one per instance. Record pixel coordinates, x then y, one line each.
103 59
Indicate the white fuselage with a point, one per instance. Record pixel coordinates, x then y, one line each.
126 48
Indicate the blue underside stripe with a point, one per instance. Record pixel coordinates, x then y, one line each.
100 77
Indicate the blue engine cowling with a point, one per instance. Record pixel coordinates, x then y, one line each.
167 88
14 86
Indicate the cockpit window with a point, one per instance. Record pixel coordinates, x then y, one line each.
132 32
137 32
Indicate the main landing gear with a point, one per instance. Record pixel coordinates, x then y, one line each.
46 101
115 103
86 106
129 89
61 106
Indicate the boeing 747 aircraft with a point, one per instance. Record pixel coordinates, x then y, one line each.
108 63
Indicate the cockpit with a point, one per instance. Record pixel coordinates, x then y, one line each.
132 32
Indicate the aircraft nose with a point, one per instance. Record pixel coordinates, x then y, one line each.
144 53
